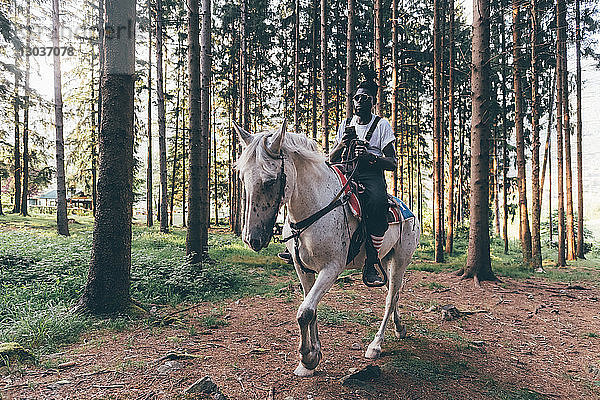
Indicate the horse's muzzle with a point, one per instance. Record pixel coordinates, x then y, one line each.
257 239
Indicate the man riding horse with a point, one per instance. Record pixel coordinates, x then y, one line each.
373 149
371 141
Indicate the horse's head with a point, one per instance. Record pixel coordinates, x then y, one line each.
263 173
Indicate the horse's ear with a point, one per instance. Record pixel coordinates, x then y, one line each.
244 135
275 145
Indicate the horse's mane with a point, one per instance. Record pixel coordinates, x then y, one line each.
299 146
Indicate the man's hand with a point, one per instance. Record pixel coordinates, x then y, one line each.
361 153
360 150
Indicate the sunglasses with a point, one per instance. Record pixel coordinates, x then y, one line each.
362 97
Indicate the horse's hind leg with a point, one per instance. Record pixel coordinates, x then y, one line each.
396 267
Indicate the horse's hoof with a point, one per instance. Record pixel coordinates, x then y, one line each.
311 362
372 353
400 333
303 372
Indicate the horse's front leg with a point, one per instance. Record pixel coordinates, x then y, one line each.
310 346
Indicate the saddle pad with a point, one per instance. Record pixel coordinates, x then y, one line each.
398 211
353 199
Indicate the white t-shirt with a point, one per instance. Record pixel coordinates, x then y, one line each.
382 135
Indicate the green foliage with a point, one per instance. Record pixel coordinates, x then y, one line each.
588 236
42 276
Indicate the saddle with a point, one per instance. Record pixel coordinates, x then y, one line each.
397 212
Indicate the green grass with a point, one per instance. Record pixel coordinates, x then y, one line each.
507 265
42 276
334 317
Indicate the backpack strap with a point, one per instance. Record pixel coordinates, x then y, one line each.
348 121
372 128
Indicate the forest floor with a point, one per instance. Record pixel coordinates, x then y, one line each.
526 337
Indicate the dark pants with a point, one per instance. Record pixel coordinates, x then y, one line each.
373 201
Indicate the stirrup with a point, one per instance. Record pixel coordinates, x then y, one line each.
378 270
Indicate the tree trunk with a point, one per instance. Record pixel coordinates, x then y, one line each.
570 227
324 75
17 148
61 190
378 55
162 129
450 212
177 111
25 186
205 89
215 163
314 60
296 65
521 177
505 135
184 156
149 212
478 264
394 82
536 244
350 59
107 288
580 247
194 249
99 115
461 167
548 136
437 134
560 37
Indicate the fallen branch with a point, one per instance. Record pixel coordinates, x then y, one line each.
115 386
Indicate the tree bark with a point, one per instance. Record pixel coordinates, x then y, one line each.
17 148
99 115
570 227
177 111
205 89
378 54
536 244
314 61
505 136
437 135
450 209
25 185
324 75
478 264
107 288
548 136
162 128
296 65
61 190
350 59
521 176
560 37
193 241
149 211
580 246
394 82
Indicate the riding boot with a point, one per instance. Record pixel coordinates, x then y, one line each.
286 256
373 273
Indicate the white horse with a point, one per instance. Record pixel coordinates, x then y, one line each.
287 168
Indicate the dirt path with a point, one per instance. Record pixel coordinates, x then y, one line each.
528 340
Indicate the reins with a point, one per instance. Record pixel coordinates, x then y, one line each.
300 226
